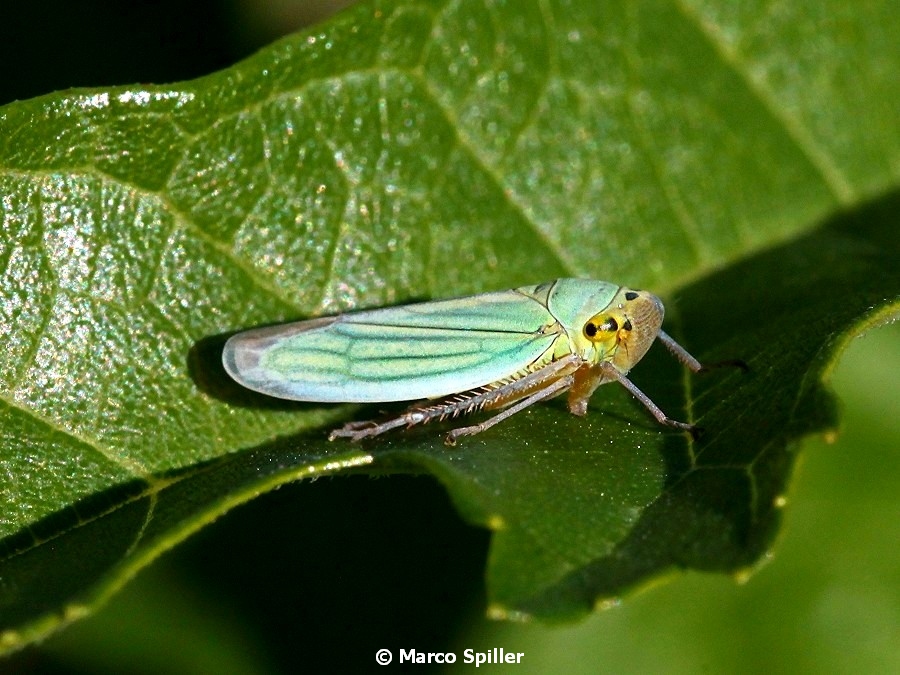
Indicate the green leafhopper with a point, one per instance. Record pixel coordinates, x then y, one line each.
495 351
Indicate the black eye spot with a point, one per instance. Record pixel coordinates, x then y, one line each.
631 295
610 325
590 329
627 324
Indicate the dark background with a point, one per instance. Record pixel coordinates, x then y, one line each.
49 45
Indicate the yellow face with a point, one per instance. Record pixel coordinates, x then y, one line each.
623 332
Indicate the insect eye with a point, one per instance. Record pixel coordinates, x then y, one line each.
601 326
610 325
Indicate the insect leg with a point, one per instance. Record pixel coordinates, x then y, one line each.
465 403
356 431
552 389
517 389
654 409
685 357
679 352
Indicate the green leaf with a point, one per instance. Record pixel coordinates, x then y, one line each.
740 162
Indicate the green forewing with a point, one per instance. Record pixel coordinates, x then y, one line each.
424 350
416 351
369 363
